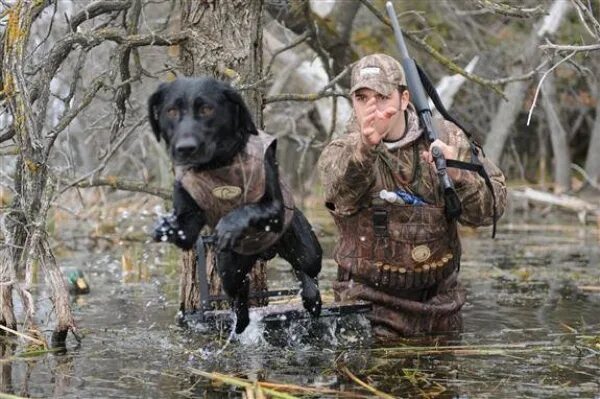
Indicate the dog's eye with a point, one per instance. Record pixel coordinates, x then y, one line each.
173 113
206 110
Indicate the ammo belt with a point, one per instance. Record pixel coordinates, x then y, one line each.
390 277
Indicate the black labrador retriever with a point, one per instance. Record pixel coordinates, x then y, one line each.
206 125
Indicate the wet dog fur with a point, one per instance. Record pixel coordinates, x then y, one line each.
205 124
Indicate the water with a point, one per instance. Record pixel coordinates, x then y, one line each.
529 331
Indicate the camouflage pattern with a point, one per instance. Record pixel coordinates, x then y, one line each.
219 191
385 269
378 72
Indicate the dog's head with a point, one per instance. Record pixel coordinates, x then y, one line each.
203 121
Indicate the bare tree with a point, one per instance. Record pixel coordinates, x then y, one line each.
503 121
558 136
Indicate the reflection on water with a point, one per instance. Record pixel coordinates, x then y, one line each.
531 329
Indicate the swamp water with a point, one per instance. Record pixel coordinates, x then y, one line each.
531 329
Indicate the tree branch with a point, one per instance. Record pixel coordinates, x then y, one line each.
508 11
98 8
125 185
568 47
446 62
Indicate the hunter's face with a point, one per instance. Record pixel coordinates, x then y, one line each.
361 97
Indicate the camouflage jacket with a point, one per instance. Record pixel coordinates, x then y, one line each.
351 179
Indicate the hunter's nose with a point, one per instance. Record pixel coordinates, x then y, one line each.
186 146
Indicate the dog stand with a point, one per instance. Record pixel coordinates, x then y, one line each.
207 315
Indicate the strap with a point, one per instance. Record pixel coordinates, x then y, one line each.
433 94
477 167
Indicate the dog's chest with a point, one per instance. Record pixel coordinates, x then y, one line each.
219 191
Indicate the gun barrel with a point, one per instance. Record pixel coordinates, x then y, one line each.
397 31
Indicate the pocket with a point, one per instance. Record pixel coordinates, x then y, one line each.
418 235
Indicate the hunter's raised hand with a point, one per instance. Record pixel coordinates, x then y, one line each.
375 124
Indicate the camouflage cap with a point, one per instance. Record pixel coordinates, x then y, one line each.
378 72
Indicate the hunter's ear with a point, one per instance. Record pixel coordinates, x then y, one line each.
243 117
154 105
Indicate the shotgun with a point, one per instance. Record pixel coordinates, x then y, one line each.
419 100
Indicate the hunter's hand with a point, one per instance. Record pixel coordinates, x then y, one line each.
375 125
450 152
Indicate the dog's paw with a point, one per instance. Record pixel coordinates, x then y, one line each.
311 297
165 229
242 319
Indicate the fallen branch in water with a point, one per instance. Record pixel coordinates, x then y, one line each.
363 384
469 350
274 389
27 337
568 202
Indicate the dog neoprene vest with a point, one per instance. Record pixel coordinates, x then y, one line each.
219 191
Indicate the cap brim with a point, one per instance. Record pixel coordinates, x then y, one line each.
386 90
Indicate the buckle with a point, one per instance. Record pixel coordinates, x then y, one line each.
380 222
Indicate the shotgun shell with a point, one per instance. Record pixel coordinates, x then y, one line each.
401 278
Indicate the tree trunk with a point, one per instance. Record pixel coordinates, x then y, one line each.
226 44
558 137
27 230
508 111
592 160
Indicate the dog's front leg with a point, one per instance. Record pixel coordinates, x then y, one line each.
266 214
183 226
233 269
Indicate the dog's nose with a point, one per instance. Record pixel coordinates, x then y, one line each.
186 146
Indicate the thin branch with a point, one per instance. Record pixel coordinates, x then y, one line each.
509 11
581 8
66 120
324 92
568 47
110 153
537 90
446 62
8 135
98 8
302 97
293 44
125 185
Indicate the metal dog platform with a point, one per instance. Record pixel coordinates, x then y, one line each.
208 315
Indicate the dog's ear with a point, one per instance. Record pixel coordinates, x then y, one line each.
243 118
154 104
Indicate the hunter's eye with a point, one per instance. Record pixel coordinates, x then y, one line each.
206 110
173 113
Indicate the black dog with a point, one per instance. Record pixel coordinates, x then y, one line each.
206 126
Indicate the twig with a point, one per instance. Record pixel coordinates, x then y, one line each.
365 385
293 44
126 185
9 396
568 47
537 90
302 97
435 54
585 175
238 382
27 337
508 11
